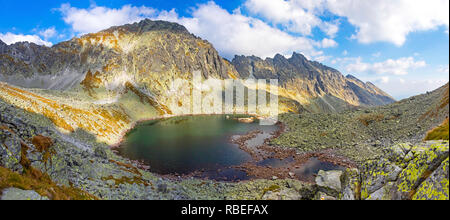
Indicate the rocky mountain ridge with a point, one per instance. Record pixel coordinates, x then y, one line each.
2 46
157 51
120 76
125 74
313 81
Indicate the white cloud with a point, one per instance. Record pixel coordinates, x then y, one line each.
399 66
236 34
402 88
329 43
377 54
331 29
443 69
295 15
284 12
48 33
391 21
321 58
230 33
272 22
10 38
384 79
97 18
380 20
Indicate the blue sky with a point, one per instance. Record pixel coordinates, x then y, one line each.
400 45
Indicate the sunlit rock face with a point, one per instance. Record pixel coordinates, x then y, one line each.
125 72
317 86
148 54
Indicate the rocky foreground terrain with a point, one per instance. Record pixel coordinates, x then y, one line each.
61 108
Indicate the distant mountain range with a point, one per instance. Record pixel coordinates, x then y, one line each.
325 88
151 51
130 69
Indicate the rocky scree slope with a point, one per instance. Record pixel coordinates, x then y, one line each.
37 158
362 134
76 166
387 142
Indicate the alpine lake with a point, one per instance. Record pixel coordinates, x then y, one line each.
203 147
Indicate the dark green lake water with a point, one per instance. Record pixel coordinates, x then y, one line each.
182 145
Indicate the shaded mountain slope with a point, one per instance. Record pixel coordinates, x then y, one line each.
322 88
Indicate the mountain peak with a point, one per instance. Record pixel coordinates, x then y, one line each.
279 57
158 57
313 80
351 77
2 46
298 56
147 25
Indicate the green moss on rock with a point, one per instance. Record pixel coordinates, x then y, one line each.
436 187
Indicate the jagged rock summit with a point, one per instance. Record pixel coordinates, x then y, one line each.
2 46
321 87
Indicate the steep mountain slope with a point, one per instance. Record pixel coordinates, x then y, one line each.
367 130
2 47
149 54
368 93
106 81
318 87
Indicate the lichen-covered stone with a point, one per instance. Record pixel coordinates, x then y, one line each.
100 152
10 151
351 185
18 194
401 122
376 174
270 189
383 193
427 158
436 187
404 172
399 154
285 194
323 196
330 182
